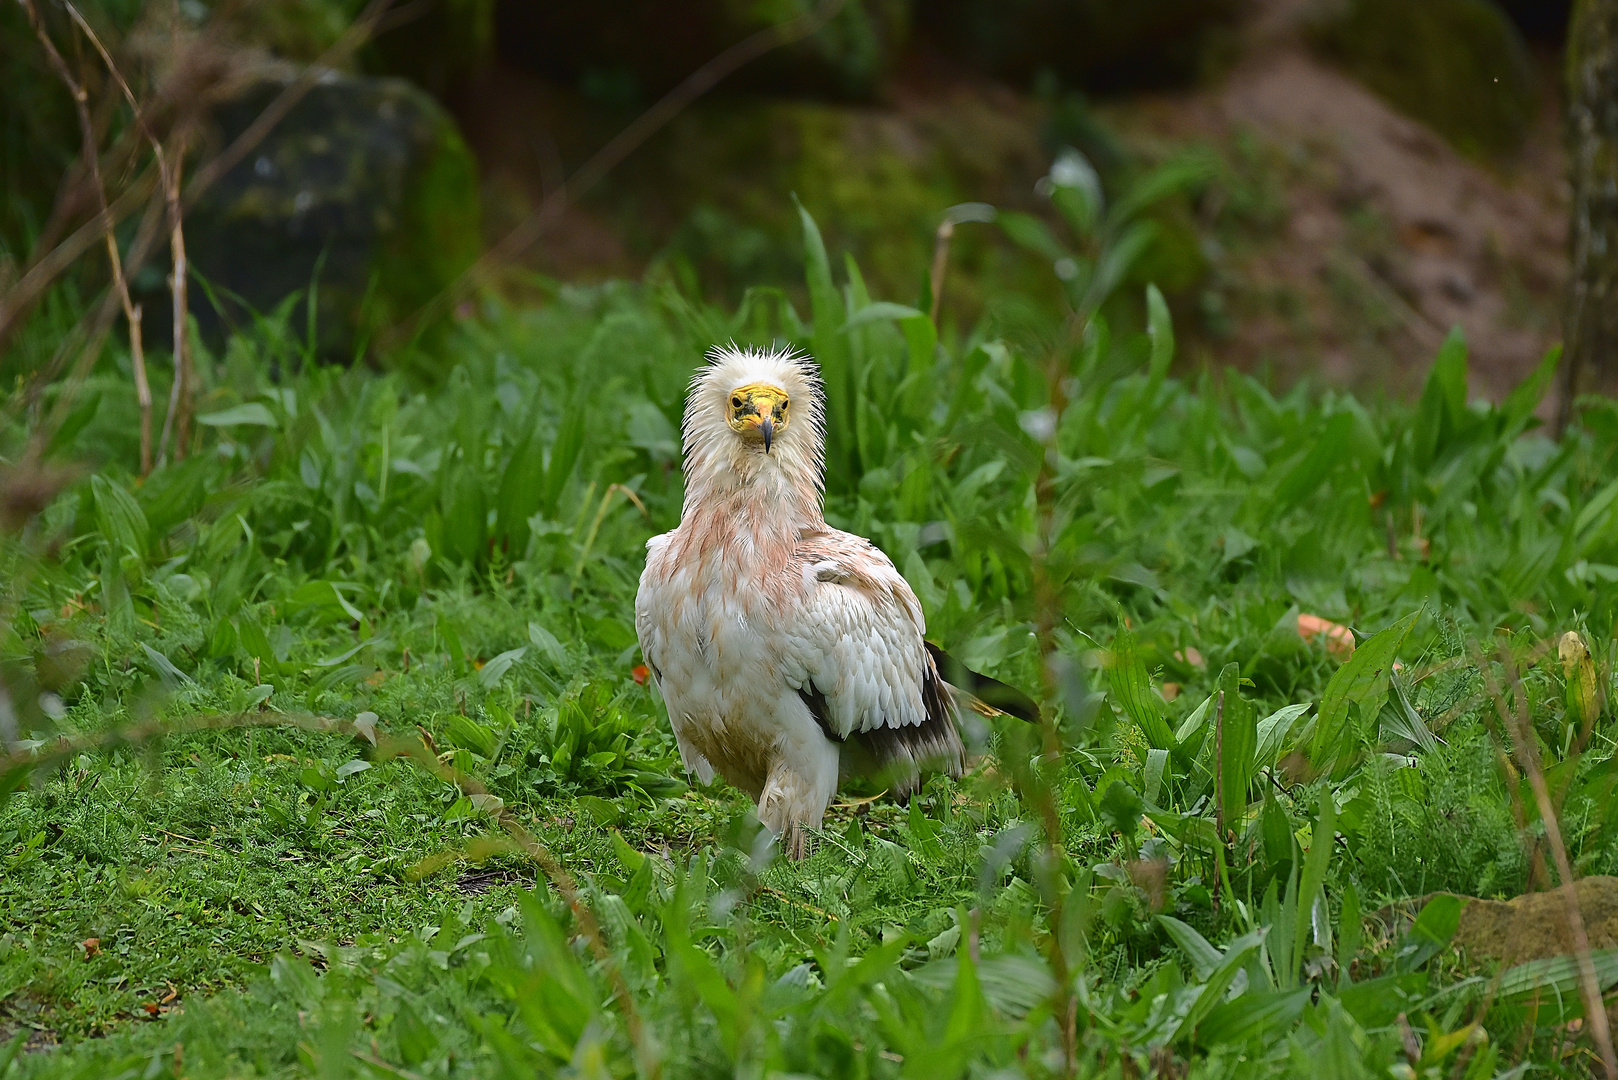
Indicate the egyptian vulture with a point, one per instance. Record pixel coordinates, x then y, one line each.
789 654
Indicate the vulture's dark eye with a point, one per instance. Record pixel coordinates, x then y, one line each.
735 403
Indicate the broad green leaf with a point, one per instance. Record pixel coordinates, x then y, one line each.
523 489
1350 932
1251 1016
546 642
1196 721
1594 513
76 421
880 311
1362 682
1378 1002
251 414
1156 767
164 667
1212 990
1525 397
628 856
1273 731
468 734
1132 690
490 674
1555 982
1400 719
1029 232
565 449
1203 957
1443 400
827 312
465 513
1435 925
1160 327
1236 732
1276 828
1320 462
120 517
1321 843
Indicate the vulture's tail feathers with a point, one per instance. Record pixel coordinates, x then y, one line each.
981 693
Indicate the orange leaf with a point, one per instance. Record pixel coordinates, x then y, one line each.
639 673
1338 638
1190 656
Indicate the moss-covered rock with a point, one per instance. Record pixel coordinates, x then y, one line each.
1534 926
1459 66
1100 45
365 190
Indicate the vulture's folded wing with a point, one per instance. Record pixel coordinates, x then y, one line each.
862 664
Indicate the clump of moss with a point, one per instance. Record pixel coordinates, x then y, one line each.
1459 66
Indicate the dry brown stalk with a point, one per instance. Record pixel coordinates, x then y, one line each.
143 390
20 298
180 390
1520 728
92 333
86 339
92 160
946 230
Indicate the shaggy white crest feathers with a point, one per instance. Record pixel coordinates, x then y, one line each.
717 462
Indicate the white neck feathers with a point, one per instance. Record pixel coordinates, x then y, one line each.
777 493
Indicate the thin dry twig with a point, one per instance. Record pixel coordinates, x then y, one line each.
1520 727
935 280
47 268
143 390
180 389
87 338
610 156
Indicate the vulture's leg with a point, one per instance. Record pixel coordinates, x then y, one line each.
796 794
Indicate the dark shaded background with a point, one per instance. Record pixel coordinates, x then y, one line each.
1389 168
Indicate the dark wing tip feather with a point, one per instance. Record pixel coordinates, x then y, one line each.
991 692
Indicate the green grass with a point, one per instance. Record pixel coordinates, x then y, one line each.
459 557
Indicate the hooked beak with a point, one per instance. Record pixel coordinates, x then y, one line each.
766 429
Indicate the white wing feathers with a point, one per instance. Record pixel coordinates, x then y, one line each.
857 638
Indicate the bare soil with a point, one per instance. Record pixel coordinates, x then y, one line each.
1391 236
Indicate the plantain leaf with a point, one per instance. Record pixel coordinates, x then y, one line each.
1132 690
1237 727
827 312
1361 682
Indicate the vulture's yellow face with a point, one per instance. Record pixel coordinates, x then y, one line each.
758 412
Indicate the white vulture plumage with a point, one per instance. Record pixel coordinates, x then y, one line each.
787 652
